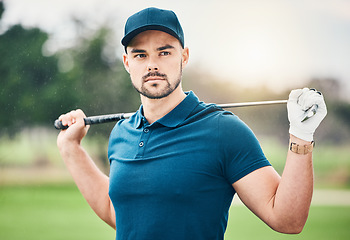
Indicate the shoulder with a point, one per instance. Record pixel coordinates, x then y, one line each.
230 123
217 118
226 122
235 136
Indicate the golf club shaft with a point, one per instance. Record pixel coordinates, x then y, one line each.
249 104
118 116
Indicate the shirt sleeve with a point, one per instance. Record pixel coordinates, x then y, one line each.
242 153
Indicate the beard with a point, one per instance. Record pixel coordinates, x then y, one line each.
152 92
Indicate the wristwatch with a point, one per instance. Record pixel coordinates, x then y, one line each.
301 149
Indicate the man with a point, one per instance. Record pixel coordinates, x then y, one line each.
177 162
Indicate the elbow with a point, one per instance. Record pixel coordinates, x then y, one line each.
297 230
294 227
290 226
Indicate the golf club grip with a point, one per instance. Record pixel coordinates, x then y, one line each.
94 120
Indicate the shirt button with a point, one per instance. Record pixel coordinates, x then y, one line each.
146 130
141 144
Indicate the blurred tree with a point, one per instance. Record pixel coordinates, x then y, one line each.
25 77
2 8
98 78
342 110
36 89
29 81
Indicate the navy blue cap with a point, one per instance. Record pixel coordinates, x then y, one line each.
153 19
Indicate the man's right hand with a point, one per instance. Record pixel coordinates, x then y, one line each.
76 128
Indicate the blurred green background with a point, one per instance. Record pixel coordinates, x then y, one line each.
38 199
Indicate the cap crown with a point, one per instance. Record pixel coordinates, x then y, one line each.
153 19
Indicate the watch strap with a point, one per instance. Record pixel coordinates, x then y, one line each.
301 149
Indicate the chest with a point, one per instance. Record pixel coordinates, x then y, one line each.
175 181
174 164
159 163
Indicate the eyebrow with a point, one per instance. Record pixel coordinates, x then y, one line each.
135 50
165 47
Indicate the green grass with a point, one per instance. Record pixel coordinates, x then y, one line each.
48 212
324 223
60 212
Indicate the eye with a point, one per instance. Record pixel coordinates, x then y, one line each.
164 53
141 55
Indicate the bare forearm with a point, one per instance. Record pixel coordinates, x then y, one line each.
294 193
92 183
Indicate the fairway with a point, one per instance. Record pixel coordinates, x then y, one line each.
324 223
48 212
60 212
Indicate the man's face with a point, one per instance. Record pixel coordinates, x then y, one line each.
155 61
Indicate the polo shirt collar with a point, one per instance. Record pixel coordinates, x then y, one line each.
174 117
139 118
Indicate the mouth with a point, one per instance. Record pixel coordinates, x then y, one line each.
154 79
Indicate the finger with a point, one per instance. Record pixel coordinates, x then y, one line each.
305 92
77 117
311 98
294 95
64 119
77 114
69 118
72 117
308 98
314 89
61 118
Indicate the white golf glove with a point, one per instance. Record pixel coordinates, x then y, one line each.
299 102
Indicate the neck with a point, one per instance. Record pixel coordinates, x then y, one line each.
154 109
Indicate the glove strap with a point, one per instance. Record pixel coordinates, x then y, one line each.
301 149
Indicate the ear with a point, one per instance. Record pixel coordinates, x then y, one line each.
185 57
126 62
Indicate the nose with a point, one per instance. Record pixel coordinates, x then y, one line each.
152 65
150 69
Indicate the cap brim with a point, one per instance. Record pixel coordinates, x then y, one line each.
127 38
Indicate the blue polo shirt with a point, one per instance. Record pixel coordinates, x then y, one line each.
173 179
